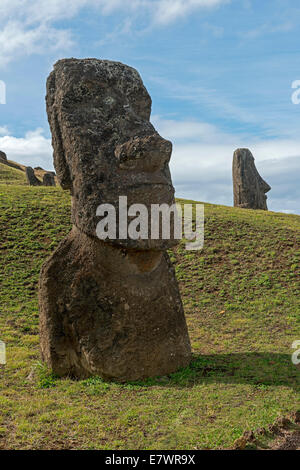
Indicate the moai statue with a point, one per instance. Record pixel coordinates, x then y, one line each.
3 157
48 179
249 189
32 180
109 307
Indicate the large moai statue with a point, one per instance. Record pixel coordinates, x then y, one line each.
249 189
32 180
109 307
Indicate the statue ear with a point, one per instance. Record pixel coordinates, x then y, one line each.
60 162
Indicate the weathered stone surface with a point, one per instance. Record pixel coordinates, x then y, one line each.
104 144
249 189
110 312
31 178
48 179
108 308
3 157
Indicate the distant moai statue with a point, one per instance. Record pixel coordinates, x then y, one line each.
3 157
249 189
31 178
48 179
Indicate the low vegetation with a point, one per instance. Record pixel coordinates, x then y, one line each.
241 299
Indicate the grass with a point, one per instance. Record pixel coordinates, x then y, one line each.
241 299
10 175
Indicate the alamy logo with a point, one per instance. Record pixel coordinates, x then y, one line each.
163 223
2 92
2 353
296 354
296 94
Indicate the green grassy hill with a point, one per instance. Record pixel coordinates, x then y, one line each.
14 173
10 175
241 299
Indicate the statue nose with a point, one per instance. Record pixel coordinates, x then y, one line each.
150 153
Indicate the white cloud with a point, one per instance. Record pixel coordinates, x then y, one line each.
32 150
190 131
121 30
28 25
4 130
209 97
202 159
32 11
164 11
167 11
16 40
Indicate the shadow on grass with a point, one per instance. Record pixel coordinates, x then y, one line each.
259 369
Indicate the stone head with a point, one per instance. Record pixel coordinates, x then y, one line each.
249 187
104 144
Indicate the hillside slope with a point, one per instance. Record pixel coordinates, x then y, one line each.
14 173
9 175
241 299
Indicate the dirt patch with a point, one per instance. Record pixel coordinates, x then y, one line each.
288 441
283 434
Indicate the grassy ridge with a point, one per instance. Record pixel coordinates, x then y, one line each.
10 175
241 299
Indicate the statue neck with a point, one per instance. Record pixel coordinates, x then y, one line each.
118 259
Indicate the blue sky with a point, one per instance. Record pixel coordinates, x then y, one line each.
219 72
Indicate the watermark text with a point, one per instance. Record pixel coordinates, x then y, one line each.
2 92
160 222
2 353
296 94
296 354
